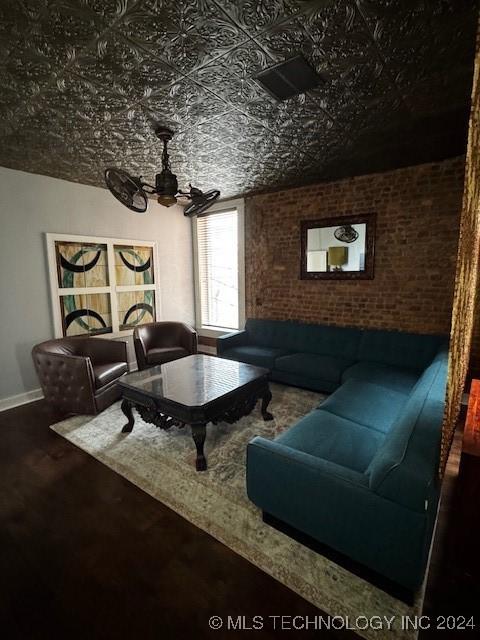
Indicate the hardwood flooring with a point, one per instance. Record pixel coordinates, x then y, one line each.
86 554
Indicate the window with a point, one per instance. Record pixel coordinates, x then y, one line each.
219 267
101 285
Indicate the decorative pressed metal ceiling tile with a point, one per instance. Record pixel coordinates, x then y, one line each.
253 16
84 82
187 34
186 103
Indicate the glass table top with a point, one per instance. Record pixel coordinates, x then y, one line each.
194 380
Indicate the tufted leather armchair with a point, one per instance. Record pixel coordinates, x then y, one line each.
78 375
159 342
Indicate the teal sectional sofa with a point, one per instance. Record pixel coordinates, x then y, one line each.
359 473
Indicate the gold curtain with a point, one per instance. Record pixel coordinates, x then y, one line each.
467 273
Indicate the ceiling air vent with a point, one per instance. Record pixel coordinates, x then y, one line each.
289 78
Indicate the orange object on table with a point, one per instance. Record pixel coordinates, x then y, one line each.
471 433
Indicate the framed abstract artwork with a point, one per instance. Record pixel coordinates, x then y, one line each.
101 285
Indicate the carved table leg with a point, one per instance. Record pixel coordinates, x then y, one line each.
266 397
199 432
127 411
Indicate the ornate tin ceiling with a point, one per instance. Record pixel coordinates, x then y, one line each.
82 83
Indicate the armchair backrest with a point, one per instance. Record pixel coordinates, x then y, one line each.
163 334
167 334
99 350
62 346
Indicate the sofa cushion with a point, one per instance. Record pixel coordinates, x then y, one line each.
277 334
341 342
368 404
256 355
300 380
159 355
302 337
408 350
105 373
312 365
395 378
325 435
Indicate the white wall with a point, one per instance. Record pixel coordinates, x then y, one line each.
31 205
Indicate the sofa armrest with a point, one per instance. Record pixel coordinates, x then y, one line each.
230 340
335 506
317 466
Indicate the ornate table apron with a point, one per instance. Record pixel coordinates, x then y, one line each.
165 413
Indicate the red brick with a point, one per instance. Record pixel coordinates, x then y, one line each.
418 211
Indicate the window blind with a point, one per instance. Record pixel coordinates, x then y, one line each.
217 247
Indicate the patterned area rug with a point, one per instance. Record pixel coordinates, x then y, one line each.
163 464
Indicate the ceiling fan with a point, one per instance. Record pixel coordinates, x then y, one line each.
133 192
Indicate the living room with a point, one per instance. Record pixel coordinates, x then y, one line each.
240 345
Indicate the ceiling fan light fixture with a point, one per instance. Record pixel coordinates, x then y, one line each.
166 200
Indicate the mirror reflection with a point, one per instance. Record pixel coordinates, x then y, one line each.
336 248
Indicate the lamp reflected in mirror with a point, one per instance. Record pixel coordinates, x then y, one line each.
337 257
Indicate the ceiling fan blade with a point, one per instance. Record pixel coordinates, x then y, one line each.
201 203
126 189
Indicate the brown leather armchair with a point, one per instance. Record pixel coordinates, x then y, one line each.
78 375
159 342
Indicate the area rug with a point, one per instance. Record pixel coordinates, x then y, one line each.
162 463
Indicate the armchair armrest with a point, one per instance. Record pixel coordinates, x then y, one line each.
230 340
67 381
140 350
189 338
102 350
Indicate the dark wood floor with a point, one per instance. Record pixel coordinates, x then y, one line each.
84 553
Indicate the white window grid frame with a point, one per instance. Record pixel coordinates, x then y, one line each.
57 292
221 207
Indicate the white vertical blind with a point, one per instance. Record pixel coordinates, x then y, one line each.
217 246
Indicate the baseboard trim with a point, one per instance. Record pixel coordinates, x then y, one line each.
17 400
20 398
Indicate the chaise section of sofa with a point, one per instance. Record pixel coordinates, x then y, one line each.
359 473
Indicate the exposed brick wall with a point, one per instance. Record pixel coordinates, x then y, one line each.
418 211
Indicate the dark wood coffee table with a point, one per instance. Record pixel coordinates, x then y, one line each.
194 391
